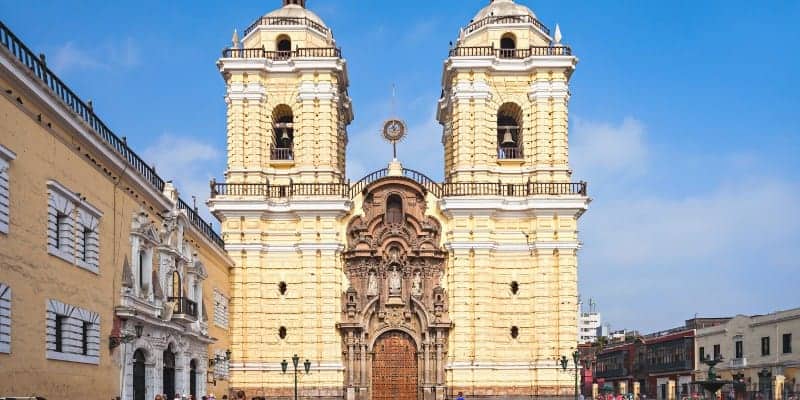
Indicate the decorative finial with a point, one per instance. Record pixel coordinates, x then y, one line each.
557 35
235 39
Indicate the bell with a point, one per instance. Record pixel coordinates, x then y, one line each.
285 135
507 139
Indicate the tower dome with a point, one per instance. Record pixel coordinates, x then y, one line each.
503 8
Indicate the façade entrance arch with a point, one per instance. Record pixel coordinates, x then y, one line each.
394 367
395 321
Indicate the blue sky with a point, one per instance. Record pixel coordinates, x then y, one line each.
684 119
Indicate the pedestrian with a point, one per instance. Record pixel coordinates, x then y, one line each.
460 396
240 395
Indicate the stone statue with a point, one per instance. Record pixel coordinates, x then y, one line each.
416 286
372 284
394 282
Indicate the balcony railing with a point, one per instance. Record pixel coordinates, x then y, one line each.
184 306
38 68
287 21
307 52
200 223
506 19
282 153
488 51
344 190
509 153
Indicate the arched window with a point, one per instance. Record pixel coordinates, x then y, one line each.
509 127
508 45
283 133
142 258
139 375
284 46
394 210
176 284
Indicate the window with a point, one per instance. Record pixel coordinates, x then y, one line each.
284 44
394 210
221 365
72 229
787 343
5 318
282 332
283 133
509 126
73 334
514 332
702 353
84 338
508 46
765 346
59 333
220 309
6 156
739 349
176 283
282 288
515 289
141 276
716 352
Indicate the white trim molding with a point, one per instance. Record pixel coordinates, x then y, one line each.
5 318
73 334
6 156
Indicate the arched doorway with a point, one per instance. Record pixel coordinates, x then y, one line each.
169 373
394 367
139 380
193 378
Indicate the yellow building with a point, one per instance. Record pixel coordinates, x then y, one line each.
398 286
760 351
110 285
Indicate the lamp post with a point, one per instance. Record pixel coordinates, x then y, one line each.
565 362
296 362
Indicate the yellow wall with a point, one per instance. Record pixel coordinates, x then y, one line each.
57 152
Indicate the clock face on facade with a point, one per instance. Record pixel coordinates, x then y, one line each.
394 130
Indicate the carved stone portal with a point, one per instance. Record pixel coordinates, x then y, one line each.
395 265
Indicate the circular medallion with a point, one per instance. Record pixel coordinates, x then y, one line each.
394 130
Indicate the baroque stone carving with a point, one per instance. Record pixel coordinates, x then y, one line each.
394 263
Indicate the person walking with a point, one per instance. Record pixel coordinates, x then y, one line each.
460 396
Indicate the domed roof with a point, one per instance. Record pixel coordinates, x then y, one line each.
500 8
295 11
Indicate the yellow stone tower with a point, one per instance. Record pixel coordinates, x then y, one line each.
287 98
511 210
288 109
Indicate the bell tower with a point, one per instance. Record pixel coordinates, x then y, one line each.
288 106
504 99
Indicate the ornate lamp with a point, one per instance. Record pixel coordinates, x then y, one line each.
564 362
307 364
295 360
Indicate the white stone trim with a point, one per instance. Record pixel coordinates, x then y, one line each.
72 339
69 232
496 64
545 90
6 156
221 303
538 365
253 91
497 206
317 91
292 65
511 247
5 318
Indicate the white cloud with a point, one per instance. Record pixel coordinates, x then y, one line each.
657 239
118 54
188 162
605 150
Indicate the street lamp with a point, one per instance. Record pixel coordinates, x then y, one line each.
296 362
565 362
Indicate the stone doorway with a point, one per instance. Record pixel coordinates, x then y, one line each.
394 367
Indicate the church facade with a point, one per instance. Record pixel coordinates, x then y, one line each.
398 286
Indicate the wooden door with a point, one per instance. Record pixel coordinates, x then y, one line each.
394 367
